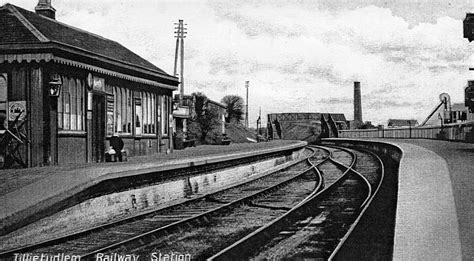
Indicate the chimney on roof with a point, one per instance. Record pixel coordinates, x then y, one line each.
45 8
357 103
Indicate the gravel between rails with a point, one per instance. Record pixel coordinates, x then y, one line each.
87 243
203 240
316 230
369 167
316 236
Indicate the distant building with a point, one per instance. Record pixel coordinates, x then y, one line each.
221 110
184 111
460 113
393 123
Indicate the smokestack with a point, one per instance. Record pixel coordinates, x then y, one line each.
357 103
45 8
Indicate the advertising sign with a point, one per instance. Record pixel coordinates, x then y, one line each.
16 108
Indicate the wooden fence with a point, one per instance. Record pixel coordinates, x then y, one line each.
456 131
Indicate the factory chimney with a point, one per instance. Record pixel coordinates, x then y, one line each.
45 8
357 104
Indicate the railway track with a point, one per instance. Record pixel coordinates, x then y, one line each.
202 236
316 228
306 210
141 228
332 170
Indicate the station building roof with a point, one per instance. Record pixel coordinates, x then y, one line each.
25 31
458 107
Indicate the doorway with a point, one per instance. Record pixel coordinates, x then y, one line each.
98 127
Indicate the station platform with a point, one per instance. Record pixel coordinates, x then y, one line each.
435 208
25 191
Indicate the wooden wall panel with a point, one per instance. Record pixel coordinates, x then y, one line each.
71 150
19 82
17 92
128 146
154 146
36 107
138 147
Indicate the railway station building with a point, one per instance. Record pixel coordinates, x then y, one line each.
65 91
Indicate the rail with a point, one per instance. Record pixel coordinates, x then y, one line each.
100 228
366 205
204 217
234 251
377 226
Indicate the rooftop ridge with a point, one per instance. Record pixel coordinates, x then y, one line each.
66 25
38 24
26 23
110 58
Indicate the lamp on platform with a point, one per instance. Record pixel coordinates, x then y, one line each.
55 85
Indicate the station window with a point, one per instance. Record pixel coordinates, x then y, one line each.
158 114
153 113
149 110
71 104
110 103
127 123
117 109
145 112
138 116
121 110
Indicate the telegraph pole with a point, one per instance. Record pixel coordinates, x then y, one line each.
247 106
259 123
180 34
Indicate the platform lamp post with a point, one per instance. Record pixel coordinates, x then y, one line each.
259 124
247 105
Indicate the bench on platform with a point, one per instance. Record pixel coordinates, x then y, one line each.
111 157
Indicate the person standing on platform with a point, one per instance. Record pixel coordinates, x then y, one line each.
117 145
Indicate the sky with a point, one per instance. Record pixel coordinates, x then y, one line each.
299 56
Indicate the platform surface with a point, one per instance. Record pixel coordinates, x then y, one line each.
435 209
21 189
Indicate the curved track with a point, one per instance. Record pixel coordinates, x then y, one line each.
306 210
318 227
